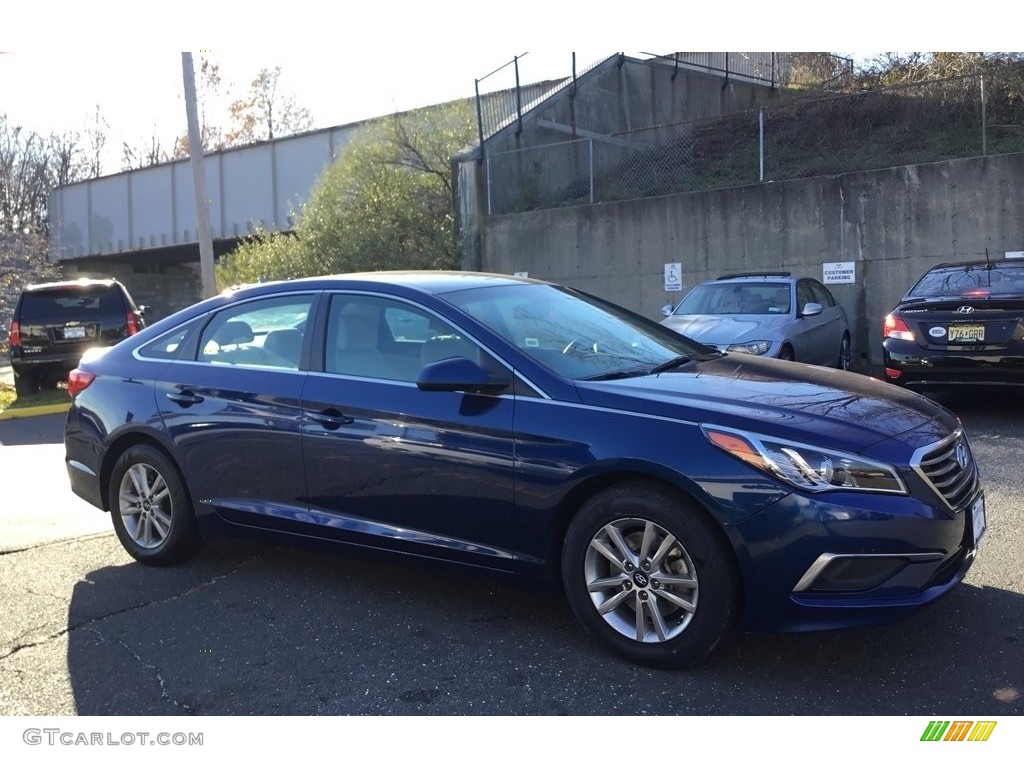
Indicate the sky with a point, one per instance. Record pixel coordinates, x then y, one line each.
348 63
336 86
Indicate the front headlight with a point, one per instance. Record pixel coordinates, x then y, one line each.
808 467
750 347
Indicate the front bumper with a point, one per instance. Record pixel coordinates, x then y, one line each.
841 560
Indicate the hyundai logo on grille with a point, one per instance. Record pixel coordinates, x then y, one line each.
965 310
961 455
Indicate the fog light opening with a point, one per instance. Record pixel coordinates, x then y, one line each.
857 574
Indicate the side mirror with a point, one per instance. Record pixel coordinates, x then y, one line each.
667 310
459 374
812 308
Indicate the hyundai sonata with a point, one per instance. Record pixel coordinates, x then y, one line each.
675 492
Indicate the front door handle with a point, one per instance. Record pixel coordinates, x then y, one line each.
330 418
185 398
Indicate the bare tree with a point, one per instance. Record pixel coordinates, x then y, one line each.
24 182
208 83
145 153
96 135
66 159
266 112
30 166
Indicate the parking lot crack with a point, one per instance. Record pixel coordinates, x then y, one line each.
87 624
164 693
59 542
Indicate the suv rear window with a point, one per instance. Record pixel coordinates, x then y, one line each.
86 302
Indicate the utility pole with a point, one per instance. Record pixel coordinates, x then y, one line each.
195 149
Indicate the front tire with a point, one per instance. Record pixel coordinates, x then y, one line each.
150 508
650 576
843 363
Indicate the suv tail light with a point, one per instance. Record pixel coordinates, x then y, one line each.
132 322
895 328
78 380
15 335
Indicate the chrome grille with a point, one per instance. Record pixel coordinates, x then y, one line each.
948 467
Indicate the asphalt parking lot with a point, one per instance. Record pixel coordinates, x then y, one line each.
249 628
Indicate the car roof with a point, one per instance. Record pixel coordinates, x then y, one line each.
993 263
84 282
427 281
755 276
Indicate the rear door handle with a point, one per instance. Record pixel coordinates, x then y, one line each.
184 398
330 418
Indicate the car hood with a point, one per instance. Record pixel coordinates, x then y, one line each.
726 329
805 403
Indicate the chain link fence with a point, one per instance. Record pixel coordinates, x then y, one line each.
925 122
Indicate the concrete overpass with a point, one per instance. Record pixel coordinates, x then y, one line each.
140 226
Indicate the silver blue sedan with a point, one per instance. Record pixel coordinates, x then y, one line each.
770 314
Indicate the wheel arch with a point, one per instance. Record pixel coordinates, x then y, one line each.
117 448
597 481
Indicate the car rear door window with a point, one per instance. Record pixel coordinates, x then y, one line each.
266 333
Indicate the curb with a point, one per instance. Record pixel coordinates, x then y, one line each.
37 410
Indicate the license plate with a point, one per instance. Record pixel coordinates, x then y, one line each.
77 332
978 516
967 333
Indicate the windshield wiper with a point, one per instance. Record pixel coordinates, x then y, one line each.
626 373
668 365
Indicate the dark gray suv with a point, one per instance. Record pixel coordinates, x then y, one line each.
54 323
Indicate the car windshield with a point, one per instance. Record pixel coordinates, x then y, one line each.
575 335
973 280
735 298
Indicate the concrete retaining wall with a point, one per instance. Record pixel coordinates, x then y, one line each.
894 223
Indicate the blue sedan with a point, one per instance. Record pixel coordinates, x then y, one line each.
676 492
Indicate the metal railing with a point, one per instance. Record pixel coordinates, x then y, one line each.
501 99
821 70
960 117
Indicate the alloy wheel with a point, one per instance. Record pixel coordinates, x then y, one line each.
144 502
641 580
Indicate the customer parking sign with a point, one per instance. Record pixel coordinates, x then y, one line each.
838 272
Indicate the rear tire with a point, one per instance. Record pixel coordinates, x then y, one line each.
151 509
26 384
650 575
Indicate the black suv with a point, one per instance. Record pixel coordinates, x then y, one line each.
54 323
